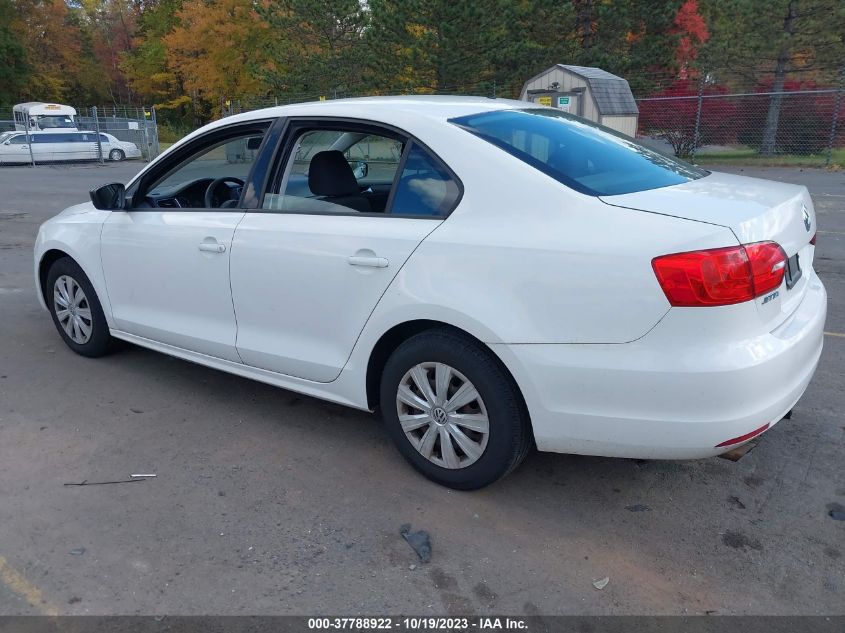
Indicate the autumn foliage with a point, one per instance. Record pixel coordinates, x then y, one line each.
190 58
671 116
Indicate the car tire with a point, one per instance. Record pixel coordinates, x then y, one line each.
90 336
473 461
117 155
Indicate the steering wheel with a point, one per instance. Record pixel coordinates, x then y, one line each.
212 187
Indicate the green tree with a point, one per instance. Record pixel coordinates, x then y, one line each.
538 34
636 40
798 39
435 45
13 65
316 45
145 64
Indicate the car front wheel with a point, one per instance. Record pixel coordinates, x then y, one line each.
75 309
117 155
453 411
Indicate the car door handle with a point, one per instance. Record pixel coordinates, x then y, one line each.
363 260
213 247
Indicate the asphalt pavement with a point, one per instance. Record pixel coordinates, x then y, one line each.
268 502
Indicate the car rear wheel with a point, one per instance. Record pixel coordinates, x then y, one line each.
117 155
76 311
453 411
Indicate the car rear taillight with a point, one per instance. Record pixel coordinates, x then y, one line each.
720 276
813 239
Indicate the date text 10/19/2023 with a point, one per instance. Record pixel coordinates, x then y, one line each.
402 623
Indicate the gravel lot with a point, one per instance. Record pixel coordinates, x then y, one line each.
268 502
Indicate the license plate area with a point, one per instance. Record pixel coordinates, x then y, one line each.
793 271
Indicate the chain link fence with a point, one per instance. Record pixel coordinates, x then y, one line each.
801 123
134 125
795 123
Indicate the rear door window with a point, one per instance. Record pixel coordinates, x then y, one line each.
352 168
425 187
589 158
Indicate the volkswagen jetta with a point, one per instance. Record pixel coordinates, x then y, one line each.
490 274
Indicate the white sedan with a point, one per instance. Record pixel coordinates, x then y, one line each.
117 150
490 274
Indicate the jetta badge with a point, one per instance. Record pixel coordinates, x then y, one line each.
806 215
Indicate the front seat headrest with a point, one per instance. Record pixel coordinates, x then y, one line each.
330 175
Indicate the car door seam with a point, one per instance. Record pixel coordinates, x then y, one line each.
381 296
231 290
102 265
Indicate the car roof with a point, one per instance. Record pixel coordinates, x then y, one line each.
400 111
385 109
57 130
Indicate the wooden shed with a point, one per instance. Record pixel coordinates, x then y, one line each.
591 93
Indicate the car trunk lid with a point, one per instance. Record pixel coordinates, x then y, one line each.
755 210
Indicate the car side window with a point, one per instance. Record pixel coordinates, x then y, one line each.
337 171
223 165
18 140
425 187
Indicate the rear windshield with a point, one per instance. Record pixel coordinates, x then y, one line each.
587 157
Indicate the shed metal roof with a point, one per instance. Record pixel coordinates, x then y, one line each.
612 94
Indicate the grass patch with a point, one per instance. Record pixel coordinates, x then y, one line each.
751 157
170 133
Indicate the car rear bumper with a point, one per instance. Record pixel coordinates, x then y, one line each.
677 393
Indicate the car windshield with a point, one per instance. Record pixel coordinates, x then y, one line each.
54 121
587 157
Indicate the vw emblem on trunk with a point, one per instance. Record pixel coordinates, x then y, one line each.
806 216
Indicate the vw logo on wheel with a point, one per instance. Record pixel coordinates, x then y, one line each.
439 415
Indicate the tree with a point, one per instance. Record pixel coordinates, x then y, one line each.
672 116
798 38
804 119
434 45
14 68
316 48
52 49
109 28
216 50
636 40
535 38
692 30
145 65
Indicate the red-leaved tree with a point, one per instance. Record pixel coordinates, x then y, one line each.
671 115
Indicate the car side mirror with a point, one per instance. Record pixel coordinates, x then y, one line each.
360 168
7 142
254 142
111 197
